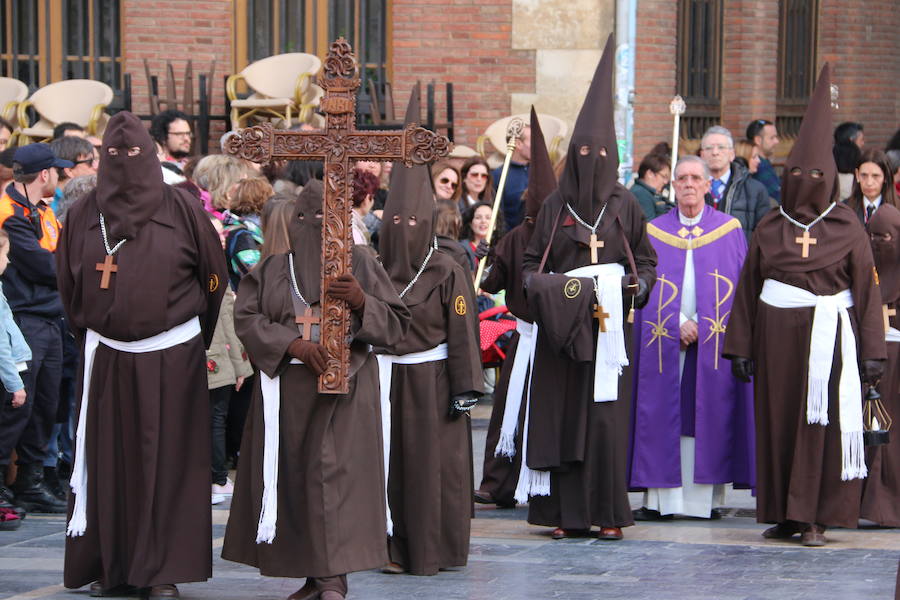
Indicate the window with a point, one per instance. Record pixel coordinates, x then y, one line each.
796 63
700 64
267 27
42 41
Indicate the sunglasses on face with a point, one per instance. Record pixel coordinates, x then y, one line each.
85 161
446 181
475 175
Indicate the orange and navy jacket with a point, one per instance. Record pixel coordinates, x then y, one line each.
29 281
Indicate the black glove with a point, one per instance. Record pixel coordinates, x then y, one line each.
482 250
462 403
639 291
347 288
310 354
742 368
872 370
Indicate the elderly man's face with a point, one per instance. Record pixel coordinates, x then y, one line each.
717 152
691 186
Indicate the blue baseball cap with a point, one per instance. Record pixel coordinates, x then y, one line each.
34 158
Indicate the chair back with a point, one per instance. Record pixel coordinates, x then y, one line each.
553 128
276 76
72 100
12 90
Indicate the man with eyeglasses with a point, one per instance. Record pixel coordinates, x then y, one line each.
764 136
80 153
171 129
732 190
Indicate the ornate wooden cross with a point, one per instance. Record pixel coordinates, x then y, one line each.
887 313
108 266
339 146
806 241
595 243
305 324
601 316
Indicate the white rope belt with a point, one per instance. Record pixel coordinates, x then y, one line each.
892 335
386 364
506 445
161 341
610 354
821 357
271 398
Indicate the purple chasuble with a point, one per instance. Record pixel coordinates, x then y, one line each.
708 403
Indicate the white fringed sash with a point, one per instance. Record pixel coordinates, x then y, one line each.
892 335
161 341
821 358
506 445
611 355
531 482
386 364
271 399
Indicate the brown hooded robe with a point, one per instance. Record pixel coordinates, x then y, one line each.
331 510
148 434
881 489
584 444
798 464
430 481
501 473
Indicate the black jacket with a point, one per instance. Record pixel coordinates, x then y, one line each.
29 281
744 198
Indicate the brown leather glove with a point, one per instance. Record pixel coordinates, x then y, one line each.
347 288
310 354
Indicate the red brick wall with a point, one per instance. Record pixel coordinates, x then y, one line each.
467 42
860 42
178 30
654 82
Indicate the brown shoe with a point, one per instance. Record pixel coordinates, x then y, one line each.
610 533
393 568
782 531
481 497
814 535
307 592
166 591
98 591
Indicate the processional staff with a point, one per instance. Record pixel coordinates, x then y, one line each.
514 131
677 108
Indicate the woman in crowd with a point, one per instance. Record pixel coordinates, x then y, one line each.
653 176
365 184
243 235
747 153
217 174
873 185
477 185
445 179
274 220
475 224
447 223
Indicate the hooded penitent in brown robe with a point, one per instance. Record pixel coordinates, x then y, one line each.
147 424
330 489
429 479
582 443
501 473
881 489
799 464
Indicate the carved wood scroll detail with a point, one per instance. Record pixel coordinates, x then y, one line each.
338 146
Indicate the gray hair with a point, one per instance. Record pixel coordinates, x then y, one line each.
717 130
690 158
76 189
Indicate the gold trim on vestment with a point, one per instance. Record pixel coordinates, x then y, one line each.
697 242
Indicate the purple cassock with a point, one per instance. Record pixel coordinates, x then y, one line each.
708 404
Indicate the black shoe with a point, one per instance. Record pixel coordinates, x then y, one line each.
32 495
8 500
647 514
54 484
98 591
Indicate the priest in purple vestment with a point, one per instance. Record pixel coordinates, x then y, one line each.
693 420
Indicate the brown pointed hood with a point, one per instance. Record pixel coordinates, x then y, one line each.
807 191
541 179
810 172
589 179
407 225
886 220
305 233
129 188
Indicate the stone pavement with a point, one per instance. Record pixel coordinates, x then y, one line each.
511 560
